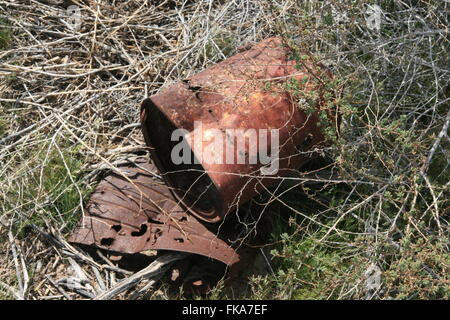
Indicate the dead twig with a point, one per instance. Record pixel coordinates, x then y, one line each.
157 267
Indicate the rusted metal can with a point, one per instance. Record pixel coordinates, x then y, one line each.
132 211
246 124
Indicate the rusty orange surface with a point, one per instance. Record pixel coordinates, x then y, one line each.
245 91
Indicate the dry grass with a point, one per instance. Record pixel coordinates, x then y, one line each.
69 113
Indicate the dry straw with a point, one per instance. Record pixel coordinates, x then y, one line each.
72 79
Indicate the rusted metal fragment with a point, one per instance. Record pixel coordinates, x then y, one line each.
234 94
134 211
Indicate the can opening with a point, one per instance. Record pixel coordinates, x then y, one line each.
190 183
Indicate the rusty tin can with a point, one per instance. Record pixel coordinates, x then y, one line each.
245 124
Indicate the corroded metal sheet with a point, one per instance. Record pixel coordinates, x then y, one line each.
245 91
134 211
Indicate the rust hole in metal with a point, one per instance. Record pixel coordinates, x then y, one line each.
180 240
106 241
308 140
116 227
142 230
150 220
157 233
195 89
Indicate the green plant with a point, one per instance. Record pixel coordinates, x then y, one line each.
394 181
221 44
5 34
55 190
